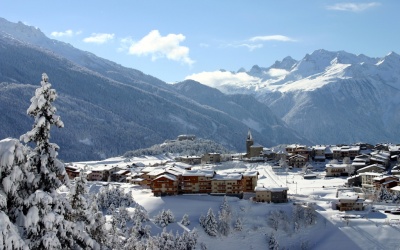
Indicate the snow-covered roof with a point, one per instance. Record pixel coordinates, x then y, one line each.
250 173
168 176
205 173
319 147
396 188
156 172
348 196
228 177
122 171
371 174
101 168
372 166
383 177
271 189
335 165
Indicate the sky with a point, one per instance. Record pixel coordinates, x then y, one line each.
175 39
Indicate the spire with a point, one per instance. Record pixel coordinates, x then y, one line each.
249 136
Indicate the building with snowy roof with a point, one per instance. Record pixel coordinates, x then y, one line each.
271 194
165 184
227 184
348 201
336 170
376 168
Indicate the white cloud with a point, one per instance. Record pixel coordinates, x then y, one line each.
67 33
162 46
279 38
277 72
250 46
99 38
217 79
125 43
353 7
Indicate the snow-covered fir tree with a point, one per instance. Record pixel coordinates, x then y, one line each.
13 191
185 220
140 214
383 194
210 223
238 225
111 195
272 242
164 218
77 199
43 216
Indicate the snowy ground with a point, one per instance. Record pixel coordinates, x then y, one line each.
369 230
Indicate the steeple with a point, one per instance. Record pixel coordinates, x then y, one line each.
249 136
249 143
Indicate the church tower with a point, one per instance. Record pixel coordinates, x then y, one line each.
249 143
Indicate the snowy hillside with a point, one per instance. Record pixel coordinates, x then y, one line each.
329 97
331 228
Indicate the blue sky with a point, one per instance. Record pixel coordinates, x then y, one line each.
173 39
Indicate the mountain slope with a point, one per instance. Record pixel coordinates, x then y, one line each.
329 97
107 109
245 108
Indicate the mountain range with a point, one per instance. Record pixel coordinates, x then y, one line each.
109 109
328 97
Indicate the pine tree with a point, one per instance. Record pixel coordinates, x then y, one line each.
238 225
210 223
78 199
96 227
272 242
49 170
185 220
46 224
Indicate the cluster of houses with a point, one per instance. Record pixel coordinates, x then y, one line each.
366 165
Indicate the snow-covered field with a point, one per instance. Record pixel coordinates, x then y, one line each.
369 229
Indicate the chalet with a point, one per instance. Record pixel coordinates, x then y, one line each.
165 184
319 153
387 181
100 173
336 170
367 180
345 151
380 157
377 168
297 161
350 201
359 163
211 158
227 184
271 194
328 153
136 180
72 172
197 181
295 149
